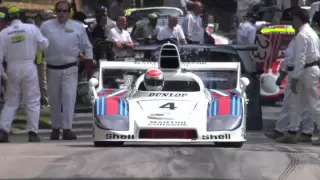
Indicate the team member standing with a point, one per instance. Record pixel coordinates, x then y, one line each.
305 75
18 45
172 30
193 26
121 38
67 39
289 102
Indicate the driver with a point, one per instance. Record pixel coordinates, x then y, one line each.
153 80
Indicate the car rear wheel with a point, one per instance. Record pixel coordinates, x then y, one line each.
108 143
229 144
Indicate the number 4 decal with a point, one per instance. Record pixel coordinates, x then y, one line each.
168 106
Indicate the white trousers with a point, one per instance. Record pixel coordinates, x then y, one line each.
308 97
62 90
23 84
287 113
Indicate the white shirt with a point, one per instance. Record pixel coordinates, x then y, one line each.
20 42
289 56
246 34
115 35
307 49
192 27
66 42
285 4
166 32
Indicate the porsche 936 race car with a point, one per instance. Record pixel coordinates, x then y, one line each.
184 111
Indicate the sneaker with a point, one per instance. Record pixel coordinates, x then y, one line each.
304 137
55 134
288 138
274 134
4 136
33 137
68 135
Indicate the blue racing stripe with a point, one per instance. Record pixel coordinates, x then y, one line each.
126 108
97 107
239 103
103 106
216 108
233 105
121 107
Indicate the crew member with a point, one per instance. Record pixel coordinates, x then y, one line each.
289 102
153 80
172 31
67 39
19 47
193 26
305 75
151 30
3 79
121 38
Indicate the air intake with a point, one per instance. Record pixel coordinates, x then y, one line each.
169 57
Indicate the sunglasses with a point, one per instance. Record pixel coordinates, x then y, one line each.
61 10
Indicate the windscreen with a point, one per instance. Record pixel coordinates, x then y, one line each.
161 12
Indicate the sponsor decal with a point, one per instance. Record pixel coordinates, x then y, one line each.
224 136
168 94
183 63
116 136
111 106
167 123
226 102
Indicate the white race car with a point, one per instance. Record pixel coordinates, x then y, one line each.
184 111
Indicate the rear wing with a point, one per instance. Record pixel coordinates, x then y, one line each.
237 47
141 65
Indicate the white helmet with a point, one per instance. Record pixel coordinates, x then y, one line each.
153 80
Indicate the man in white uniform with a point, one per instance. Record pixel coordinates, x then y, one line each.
122 43
305 75
172 31
67 39
192 25
288 104
18 44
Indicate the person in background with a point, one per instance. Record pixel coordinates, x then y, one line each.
41 64
19 46
151 30
116 9
98 29
287 6
305 75
289 104
122 43
172 30
3 74
193 26
67 39
189 6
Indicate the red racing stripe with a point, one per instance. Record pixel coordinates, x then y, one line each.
112 106
216 95
224 105
121 95
105 92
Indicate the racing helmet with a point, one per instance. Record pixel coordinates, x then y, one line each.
153 80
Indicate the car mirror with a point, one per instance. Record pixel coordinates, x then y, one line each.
93 82
244 82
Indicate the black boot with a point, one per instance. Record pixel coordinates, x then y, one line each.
4 136
55 134
68 135
33 137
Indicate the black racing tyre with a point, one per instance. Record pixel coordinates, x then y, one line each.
254 112
108 143
229 144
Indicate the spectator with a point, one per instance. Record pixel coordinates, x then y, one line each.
172 31
116 9
151 30
122 43
193 25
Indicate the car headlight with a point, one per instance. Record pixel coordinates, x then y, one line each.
114 122
223 123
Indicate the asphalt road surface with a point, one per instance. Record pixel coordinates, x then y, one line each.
258 159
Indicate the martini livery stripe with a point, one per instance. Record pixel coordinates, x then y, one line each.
111 106
231 105
219 93
112 92
104 92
